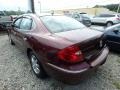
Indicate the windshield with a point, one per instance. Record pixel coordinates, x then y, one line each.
61 23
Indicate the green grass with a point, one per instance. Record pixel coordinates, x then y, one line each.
117 85
118 60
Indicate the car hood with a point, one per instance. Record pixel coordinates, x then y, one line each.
79 35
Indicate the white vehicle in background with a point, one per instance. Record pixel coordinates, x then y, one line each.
4 19
107 19
83 18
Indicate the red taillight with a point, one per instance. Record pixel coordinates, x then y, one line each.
71 54
118 18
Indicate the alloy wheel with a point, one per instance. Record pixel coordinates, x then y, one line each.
35 64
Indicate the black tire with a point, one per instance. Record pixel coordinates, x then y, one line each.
88 25
40 73
108 24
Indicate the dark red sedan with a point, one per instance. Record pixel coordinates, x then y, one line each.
59 46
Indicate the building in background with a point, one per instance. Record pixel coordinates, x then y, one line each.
91 11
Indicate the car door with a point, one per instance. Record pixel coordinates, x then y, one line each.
98 19
95 19
15 28
102 18
106 17
114 38
21 36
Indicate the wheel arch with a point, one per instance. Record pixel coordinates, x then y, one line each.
28 51
109 21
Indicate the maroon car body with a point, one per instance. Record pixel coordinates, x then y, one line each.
51 49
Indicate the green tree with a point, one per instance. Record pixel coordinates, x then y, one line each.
14 12
111 7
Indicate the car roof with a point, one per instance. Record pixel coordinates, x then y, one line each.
40 15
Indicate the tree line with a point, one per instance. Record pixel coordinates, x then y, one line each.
14 12
111 7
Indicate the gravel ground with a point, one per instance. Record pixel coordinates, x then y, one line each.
16 73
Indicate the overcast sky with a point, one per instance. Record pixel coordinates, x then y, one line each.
52 4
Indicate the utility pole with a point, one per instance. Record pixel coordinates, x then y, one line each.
118 8
31 6
40 5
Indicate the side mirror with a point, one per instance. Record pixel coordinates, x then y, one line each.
116 31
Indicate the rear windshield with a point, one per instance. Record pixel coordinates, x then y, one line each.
57 24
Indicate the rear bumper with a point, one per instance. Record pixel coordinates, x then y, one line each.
77 72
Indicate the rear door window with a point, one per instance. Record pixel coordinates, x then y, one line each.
106 15
17 23
26 24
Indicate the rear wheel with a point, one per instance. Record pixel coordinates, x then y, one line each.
109 24
36 66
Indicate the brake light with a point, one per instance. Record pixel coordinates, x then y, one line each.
71 54
118 18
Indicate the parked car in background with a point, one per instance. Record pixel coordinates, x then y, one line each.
107 19
59 46
4 19
112 35
3 27
83 18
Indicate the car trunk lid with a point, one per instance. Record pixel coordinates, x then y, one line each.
90 41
